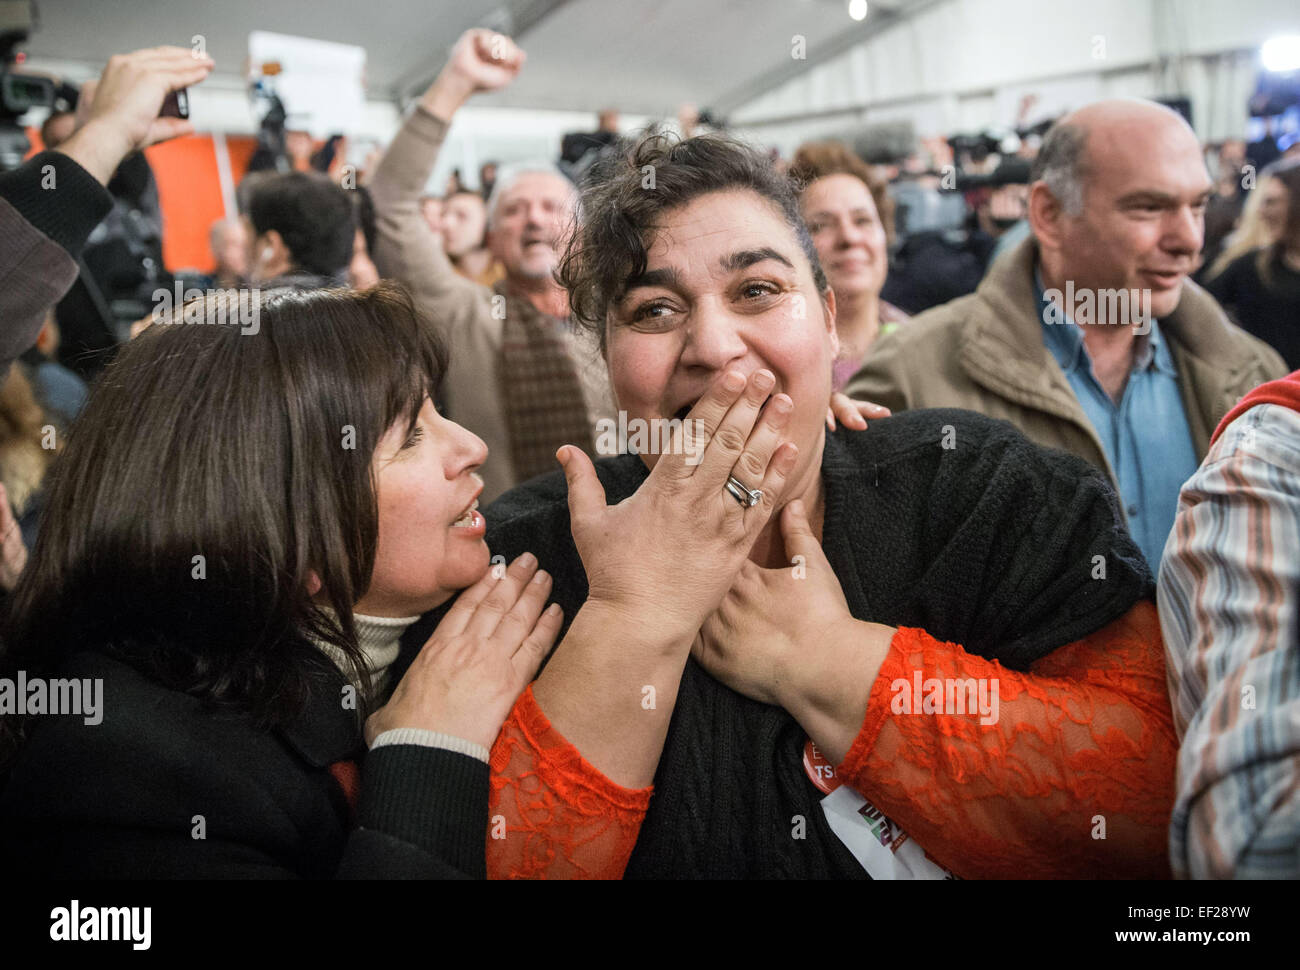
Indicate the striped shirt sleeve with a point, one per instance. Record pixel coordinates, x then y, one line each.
1229 599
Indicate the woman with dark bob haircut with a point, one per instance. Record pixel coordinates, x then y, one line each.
944 617
255 503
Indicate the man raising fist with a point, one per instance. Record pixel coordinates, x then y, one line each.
522 378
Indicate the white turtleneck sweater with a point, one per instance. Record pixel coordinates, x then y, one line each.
380 640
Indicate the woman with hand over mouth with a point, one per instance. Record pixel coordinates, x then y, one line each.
768 604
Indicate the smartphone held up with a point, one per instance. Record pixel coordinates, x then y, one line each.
176 105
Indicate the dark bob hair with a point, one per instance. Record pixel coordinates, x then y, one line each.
213 469
626 195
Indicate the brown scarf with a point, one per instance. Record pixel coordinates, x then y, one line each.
540 386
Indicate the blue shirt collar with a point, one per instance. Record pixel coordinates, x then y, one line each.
1064 340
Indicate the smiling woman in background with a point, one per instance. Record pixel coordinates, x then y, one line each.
1261 288
850 217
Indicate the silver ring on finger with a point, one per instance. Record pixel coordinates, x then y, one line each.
747 497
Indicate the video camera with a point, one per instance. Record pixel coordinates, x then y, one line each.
1010 171
19 93
977 146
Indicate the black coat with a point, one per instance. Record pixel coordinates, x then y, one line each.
1270 311
939 519
121 799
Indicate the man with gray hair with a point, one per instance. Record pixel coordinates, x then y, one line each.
521 377
1089 336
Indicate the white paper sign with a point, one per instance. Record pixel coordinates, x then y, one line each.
882 848
320 82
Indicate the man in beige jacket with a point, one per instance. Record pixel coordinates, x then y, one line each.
521 377
1138 386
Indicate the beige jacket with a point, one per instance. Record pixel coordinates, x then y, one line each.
985 352
406 250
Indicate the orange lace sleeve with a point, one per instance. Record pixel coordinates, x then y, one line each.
560 817
1073 776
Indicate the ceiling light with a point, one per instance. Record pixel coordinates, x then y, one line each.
1281 54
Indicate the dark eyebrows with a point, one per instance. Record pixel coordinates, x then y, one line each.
748 257
666 278
1148 197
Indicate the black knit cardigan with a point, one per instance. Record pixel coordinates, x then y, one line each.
941 519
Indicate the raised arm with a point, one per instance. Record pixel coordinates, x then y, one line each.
51 203
406 249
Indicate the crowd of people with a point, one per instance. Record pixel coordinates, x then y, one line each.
1001 538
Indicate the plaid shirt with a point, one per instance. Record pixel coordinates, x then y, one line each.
1229 599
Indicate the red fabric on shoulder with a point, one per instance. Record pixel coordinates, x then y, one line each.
1285 392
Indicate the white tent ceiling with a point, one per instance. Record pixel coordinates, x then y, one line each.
642 57
940 64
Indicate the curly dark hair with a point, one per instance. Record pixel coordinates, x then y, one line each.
626 195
